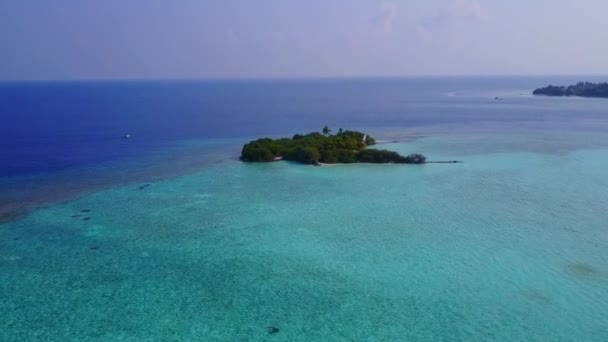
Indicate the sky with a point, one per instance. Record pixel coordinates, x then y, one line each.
160 39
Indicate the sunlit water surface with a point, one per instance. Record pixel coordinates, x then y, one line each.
508 246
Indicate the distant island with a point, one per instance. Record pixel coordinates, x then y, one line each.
315 148
583 89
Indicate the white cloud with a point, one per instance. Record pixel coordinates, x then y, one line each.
469 8
388 10
448 15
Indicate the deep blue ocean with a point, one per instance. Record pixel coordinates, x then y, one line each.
52 126
167 236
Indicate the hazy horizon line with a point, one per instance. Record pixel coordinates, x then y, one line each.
296 78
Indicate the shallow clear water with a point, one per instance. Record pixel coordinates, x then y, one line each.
191 244
507 246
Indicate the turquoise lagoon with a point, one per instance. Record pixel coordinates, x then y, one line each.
508 246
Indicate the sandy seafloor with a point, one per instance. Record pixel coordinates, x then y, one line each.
508 246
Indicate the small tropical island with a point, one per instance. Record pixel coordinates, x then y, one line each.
583 89
344 147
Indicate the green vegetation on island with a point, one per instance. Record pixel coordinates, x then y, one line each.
314 148
584 89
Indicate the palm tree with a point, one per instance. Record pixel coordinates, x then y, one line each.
326 130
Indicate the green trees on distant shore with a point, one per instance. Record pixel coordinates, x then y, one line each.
584 89
315 147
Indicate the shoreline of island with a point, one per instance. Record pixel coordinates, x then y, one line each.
324 148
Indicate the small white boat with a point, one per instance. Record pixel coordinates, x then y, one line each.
127 136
